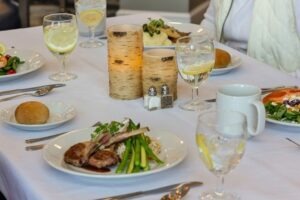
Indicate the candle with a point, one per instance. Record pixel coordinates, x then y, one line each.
125 59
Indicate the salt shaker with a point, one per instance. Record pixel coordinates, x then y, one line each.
151 100
166 97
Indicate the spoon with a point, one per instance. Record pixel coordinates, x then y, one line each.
39 92
177 193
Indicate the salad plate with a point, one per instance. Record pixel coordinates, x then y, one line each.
236 62
173 151
282 107
183 27
60 113
32 62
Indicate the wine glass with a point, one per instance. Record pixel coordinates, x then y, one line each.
61 35
91 13
195 60
221 139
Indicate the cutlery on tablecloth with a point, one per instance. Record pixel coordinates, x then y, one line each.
296 143
38 93
16 91
33 140
153 191
177 193
263 91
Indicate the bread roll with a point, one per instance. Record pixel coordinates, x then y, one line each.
222 58
32 112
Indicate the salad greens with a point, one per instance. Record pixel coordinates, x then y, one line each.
137 153
279 111
9 64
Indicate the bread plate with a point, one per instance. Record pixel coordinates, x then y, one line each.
236 62
33 62
60 113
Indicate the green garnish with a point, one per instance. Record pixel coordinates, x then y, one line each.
280 112
153 26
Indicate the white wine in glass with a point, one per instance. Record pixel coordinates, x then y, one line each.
195 60
91 13
221 140
60 35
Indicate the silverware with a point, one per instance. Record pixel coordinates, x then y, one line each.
15 91
39 92
177 194
263 91
296 143
33 140
34 147
153 191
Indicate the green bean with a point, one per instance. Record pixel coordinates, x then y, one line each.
131 163
137 148
125 157
144 159
150 152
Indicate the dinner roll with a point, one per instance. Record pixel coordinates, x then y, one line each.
32 112
222 58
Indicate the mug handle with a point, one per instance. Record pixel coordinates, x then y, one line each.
261 118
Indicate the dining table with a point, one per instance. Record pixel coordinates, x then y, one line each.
269 169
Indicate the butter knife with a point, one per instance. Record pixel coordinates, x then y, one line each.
153 191
9 92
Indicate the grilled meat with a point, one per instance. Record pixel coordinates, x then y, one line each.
104 158
78 154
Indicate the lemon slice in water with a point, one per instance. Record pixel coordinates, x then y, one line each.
2 48
200 139
197 69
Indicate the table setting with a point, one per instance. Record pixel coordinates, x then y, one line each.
117 94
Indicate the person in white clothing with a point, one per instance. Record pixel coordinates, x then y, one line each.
268 30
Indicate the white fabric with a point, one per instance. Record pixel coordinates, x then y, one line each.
268 170
235 33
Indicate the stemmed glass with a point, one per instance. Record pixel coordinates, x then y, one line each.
221 140
61 35
195 59
91 13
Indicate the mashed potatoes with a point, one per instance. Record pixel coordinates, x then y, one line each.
156 40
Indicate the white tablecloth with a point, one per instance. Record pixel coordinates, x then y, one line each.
270 168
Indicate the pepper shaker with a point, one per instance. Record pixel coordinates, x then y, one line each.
151 100
166 97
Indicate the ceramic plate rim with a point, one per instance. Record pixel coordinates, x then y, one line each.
177 24
37 126
237 63
12 76
110 176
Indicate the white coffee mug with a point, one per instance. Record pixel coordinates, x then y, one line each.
245 99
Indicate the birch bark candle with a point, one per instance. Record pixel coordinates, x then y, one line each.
125 59
159 68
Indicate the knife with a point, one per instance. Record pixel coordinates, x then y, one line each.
30 89
153 191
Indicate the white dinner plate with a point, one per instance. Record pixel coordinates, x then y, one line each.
236 61
33 61
173 151
290 124
182 27
60 113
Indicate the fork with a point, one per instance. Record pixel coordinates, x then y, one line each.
39 92
33 140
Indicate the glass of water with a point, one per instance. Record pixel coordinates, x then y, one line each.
91 13
221 139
